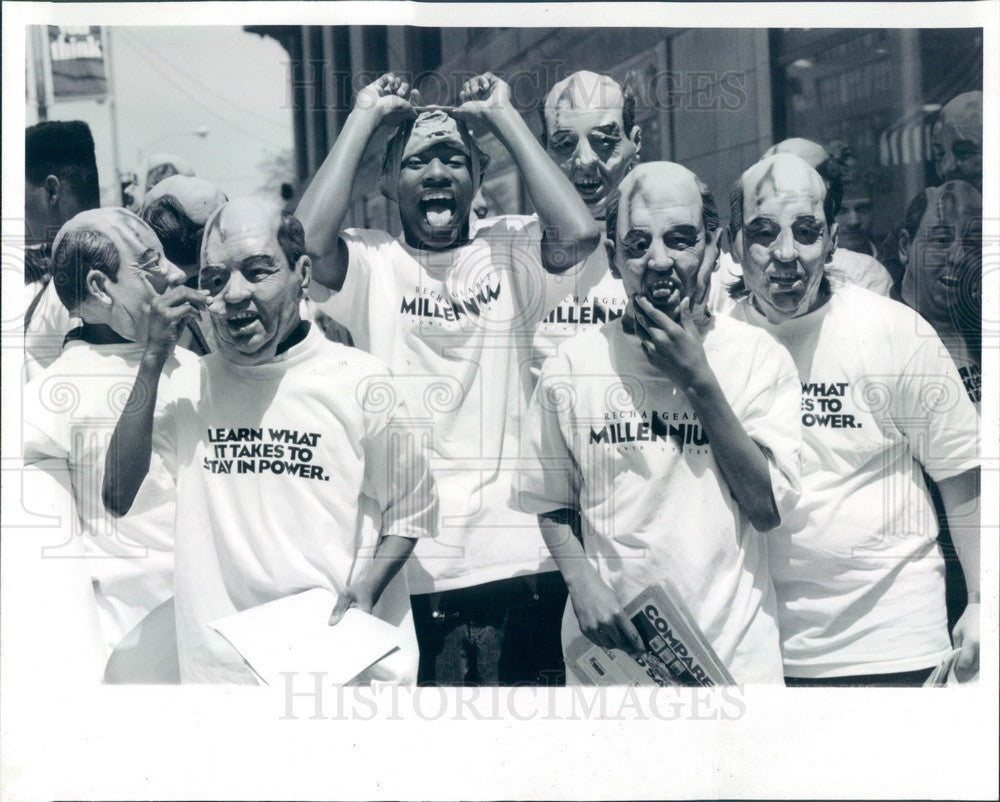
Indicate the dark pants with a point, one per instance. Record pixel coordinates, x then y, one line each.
906 679
499 633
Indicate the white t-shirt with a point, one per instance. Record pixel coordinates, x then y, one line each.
44 335
612 437
70 412
281 469
456 328
846 267
859 576
596 298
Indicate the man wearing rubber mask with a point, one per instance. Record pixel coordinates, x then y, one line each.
857 570
453 317
846 267
702 456
590 132
957 140
941 246
276 418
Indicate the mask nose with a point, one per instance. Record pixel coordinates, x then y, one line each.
174 275
784 246
237 289
584 157
658 258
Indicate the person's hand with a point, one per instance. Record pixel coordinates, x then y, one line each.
389 99
168 314
675 348
709 263
482 98
965 635
602 619
359 595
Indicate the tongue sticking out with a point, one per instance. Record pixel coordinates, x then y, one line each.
439 218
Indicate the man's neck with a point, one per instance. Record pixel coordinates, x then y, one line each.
295 336
96 334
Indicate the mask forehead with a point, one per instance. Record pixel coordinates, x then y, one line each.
812 153
962 118
953 204
781 180
241 227
584 96
662 192
196 196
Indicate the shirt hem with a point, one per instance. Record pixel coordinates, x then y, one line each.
480 577
828 671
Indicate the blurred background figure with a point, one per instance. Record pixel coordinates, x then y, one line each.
60 176
940 245
957 140
163 165
854 223
177 208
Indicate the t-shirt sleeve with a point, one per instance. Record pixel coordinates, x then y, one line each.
537 292
876 277
172 397
931 407
549 478
44 432
397 463
367 250
772 420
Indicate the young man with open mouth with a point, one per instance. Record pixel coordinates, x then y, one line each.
454 319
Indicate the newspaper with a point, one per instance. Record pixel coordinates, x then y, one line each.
677 652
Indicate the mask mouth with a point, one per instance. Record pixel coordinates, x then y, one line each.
785 280
664 292
242 324
438 209
590 189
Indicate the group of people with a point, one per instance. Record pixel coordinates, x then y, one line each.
537 417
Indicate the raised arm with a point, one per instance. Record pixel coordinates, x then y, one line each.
960 496
677 350
327 198
569 233
127 460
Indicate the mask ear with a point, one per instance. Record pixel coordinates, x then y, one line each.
636 137
97 286
303 268
903 246
833 242
609 247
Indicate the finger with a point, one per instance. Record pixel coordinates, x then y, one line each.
414 97
968 658
630 636
404 90
660 320
344 603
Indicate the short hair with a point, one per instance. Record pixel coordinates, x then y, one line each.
177 232
628 112
709 211
915 212
79 251
65 150
291 238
